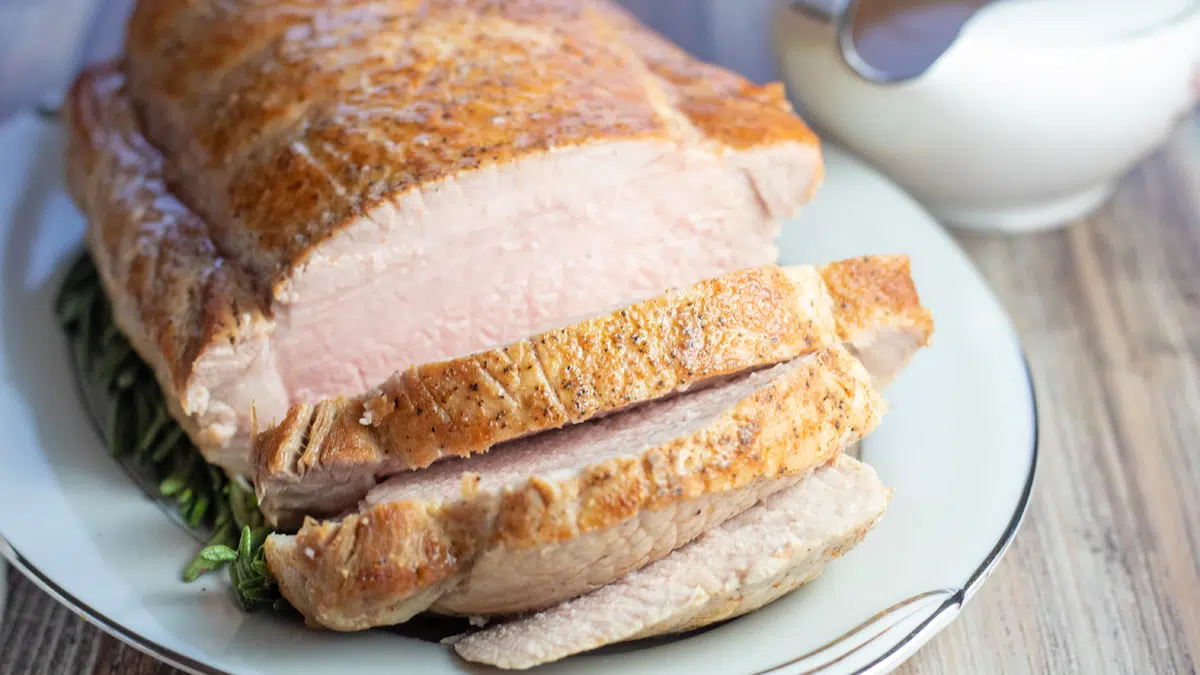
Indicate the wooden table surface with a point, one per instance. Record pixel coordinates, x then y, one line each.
1103 577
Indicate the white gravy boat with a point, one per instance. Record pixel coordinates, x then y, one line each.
1024 120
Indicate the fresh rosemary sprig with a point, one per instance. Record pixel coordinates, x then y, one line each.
248 569
141 430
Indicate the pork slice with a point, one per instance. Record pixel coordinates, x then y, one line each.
878 312
561 513
356 187
189 314
747 562
322 459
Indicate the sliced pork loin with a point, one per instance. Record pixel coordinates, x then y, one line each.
554 515
359 186
749 561
322 459
878 313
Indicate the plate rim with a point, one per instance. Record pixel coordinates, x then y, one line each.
896 654
954 604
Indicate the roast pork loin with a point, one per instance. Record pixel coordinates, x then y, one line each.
551 516
322 459
750 560
290 200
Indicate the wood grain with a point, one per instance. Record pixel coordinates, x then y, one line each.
1103 578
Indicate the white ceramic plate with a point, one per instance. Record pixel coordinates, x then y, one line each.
958 445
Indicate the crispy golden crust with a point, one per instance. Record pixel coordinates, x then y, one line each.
722 106
173 295
736 568
746 319
278 122
378 566
321 459
874 291
285 120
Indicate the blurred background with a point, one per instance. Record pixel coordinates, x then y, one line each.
998 115
42 42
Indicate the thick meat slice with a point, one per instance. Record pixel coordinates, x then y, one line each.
370 185
564 512
322 459
751 560
194 318
877 311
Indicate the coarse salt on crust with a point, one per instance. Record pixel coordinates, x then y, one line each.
376 407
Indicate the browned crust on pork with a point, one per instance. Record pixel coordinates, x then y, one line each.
743 320
284 121
280 122
721 105
355 573
871 292
718 327
550 636
172 293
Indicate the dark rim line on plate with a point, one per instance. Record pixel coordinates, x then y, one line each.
957 597
958 600
888 659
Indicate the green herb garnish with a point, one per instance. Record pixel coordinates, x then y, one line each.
140 431
248 569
